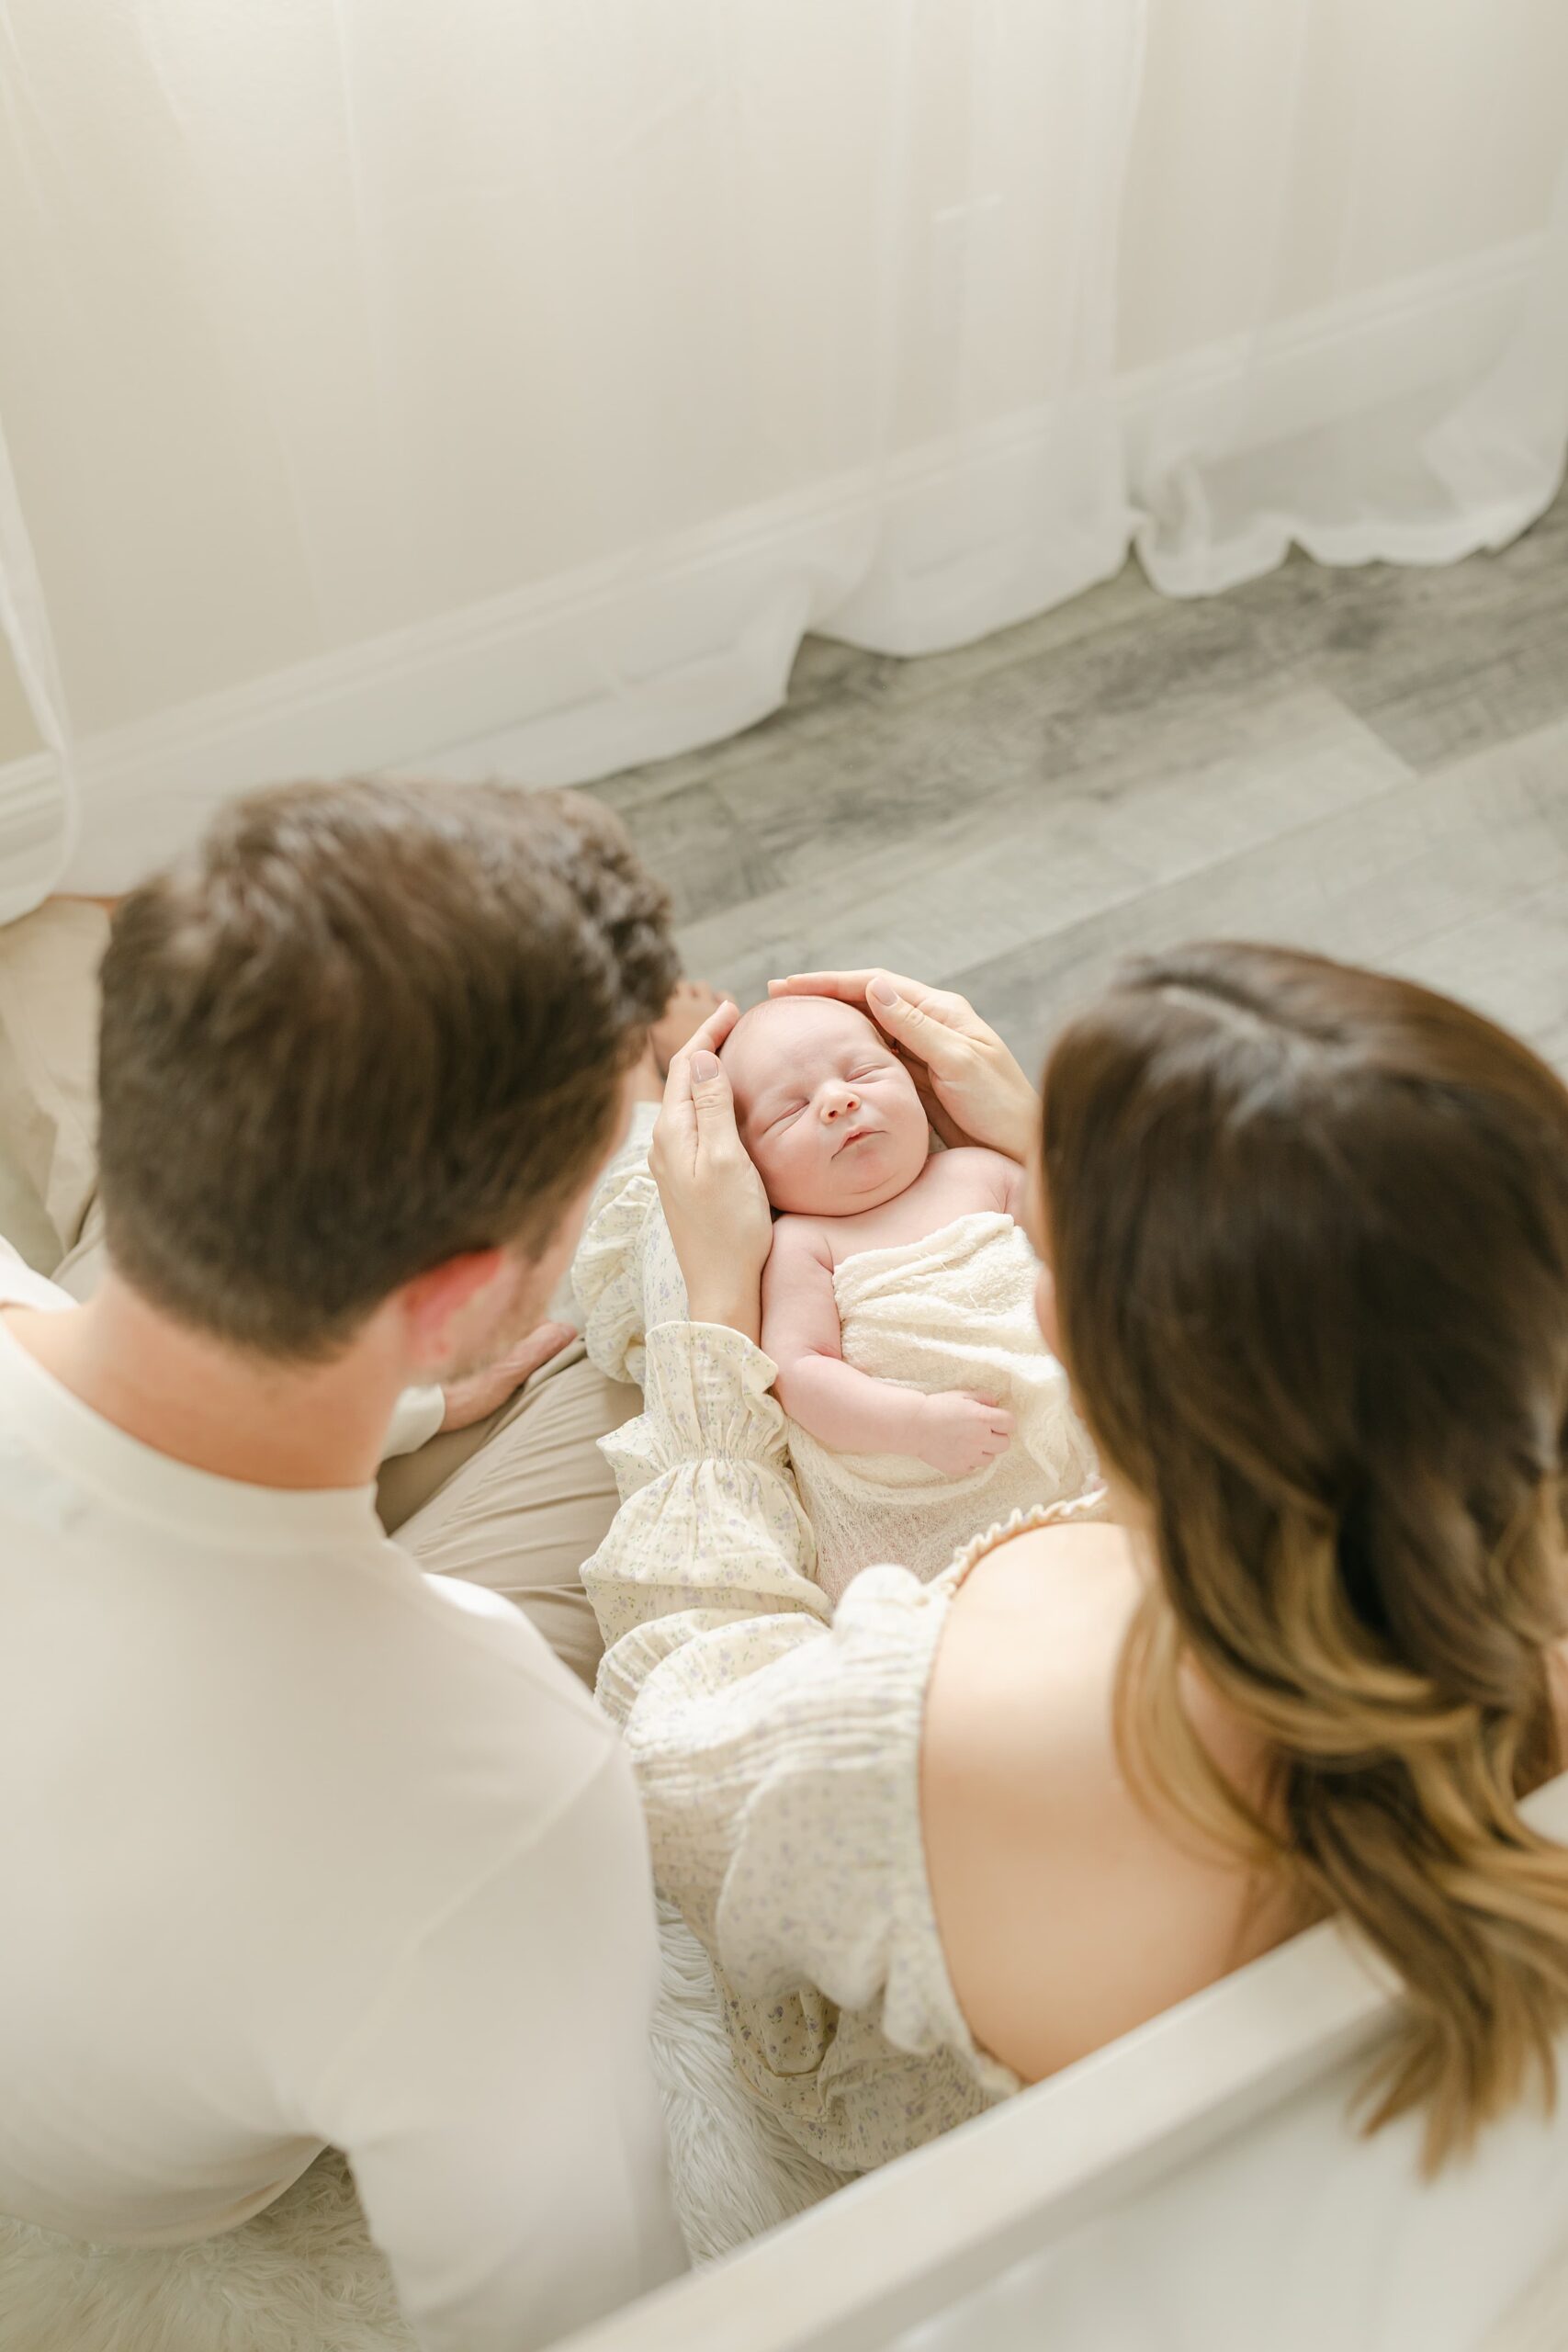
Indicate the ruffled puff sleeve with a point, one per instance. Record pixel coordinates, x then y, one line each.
626 1277
777 1749
709 1519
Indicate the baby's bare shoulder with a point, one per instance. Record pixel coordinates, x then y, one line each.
976 1173
800 1240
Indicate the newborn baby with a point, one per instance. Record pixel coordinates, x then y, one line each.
898 1303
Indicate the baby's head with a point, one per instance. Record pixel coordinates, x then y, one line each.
827 1111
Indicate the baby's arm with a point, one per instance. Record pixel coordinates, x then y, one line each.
841 1407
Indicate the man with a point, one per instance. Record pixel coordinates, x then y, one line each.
304 1846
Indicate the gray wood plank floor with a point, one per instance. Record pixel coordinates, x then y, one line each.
1372 763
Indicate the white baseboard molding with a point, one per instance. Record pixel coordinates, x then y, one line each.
1371 349
32 824
679 644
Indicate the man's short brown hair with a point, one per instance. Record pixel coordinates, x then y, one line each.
361 1029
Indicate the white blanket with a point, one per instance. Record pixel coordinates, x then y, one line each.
954 1311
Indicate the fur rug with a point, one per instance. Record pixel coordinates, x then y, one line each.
303 2277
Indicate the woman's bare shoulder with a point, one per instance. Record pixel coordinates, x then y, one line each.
1067 1912
1027 1653
1058 1565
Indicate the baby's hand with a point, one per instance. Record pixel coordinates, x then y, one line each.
957 1433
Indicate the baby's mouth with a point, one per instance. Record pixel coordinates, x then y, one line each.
856 1134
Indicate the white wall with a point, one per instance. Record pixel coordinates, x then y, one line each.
310 333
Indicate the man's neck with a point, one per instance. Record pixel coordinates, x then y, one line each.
200 1402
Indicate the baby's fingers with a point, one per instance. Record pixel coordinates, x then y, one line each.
1000 1418
998 1434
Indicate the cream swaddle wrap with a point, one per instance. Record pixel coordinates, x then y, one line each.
954 1310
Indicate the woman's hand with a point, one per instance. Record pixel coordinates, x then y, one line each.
713 1203
973 1088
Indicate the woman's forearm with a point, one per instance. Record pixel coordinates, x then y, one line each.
710 1429
736 1305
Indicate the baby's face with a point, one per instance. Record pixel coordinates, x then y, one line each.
827 1111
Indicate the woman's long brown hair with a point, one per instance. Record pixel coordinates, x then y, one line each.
1310 1235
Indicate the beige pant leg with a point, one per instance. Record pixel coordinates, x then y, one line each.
48 1013
82 1269
523 1500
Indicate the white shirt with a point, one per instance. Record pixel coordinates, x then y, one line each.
302 1847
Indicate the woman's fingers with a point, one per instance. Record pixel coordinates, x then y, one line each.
712 1197
849 986
706 1040
675 1133
945 1051
721 1155
674 1139
928 1021
713 1101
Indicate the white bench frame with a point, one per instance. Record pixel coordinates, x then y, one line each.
922 2233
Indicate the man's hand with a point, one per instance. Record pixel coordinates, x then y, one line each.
479 1393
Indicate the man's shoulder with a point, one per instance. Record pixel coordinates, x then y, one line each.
21 1286
472 1735
479 1638
449 1689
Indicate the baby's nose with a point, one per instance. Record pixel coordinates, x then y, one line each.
838 1098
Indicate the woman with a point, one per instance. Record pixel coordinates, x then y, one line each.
1307 1234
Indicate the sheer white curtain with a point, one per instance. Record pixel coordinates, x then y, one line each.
39 830
380 378
1373 231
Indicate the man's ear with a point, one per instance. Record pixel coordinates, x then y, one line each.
434 1304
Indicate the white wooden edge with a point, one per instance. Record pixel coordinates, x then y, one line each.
968 2205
